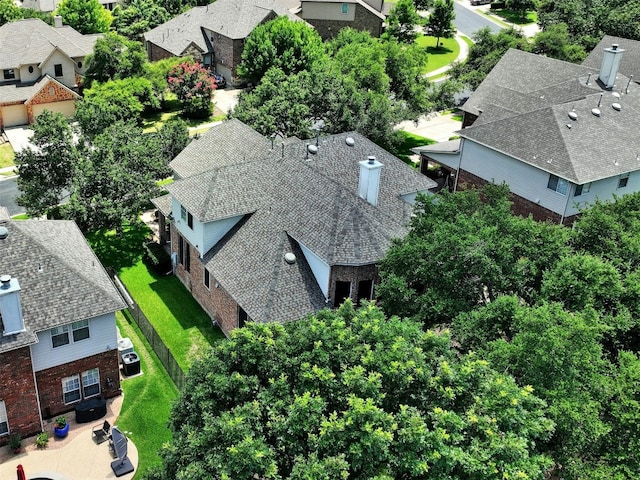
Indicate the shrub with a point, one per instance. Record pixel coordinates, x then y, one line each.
42 440
156 257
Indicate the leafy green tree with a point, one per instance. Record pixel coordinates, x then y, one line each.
349 394
86 16
440 22
172 138
423 4
402 22
115 57
9 11
194 86
135 17
521 6
158 72
462 252
555 42
46 170
282 43
623 20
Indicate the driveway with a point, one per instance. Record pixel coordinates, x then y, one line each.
19 137
226 99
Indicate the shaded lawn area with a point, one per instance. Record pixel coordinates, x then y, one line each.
7 157
410 140
147 400
516 18
438 57
153 121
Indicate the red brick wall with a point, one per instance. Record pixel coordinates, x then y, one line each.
59 94
351 274
50 380
363 20
155 53
18 391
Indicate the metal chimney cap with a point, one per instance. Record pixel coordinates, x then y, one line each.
614 46
371 159
5 280
4 233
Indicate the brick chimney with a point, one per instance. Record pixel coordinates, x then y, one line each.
610 65
10 308
369 184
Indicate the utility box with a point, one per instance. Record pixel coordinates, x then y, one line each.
130 364
124 346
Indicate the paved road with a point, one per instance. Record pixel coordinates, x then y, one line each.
467 21
8 193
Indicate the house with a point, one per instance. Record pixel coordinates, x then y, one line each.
41 68
560 135
330 16
58 339
273 231
213 34
48 6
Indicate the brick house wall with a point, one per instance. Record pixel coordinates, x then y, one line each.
50 381
18 391
155 53
354 275
50 93
364 20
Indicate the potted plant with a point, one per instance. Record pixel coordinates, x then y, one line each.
15 442
61 427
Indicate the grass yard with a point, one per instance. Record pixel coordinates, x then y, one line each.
7 157
154 121
147 400
409 141
438 57
514 17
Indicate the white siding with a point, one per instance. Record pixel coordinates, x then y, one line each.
410 198
25 76
102 337
214 231
68 77
603 190
320 269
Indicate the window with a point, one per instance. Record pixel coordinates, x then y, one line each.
9 73
345 8
4 421
91 383
343 291
580 189
80 330
365 290
79 64
207 280
71 388
60 336
184 256
190 221
557 184
243 318
30 69
183 213
623 180
58 69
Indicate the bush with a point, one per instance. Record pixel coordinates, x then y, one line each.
42 440
156 257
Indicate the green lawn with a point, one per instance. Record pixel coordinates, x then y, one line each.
147 400
7 156
410 141
514 17
438 57
153 121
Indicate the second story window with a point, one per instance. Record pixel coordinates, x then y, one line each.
623 180
80 330
60 336
9 74
183 213
190 221
557 184
580 189
58 69
345 8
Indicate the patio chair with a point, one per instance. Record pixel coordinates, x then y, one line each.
101 432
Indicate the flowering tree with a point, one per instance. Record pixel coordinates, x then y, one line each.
193 85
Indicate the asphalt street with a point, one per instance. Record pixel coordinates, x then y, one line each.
467 21
8 193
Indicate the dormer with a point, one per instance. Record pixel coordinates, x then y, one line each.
10 309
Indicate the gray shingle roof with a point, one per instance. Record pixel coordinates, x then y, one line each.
21 92
234 19
61 279
31 41
290 198
525 102
630 64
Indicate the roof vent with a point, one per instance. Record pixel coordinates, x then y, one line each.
4 233
616 94
616 106
596 112
5 280
573 115
568 125
290 258
312 149
350 141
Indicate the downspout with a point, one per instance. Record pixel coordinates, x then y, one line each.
455 185
35 383
566 205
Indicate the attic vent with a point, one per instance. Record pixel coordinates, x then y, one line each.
350 141
4 233
312 149
290 258
596 112
616 106
573 115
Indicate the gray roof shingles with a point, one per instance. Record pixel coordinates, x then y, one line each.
61 280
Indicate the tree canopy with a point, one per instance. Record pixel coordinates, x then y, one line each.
440 22
194 86
85 16
350 394
402 22
114 57
133 18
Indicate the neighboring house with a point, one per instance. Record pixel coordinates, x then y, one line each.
40 69
213 34
58 343
51 5
330 16
560 135
273 231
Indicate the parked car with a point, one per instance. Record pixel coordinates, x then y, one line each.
219 79
480 2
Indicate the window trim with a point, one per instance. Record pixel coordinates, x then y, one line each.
4 418
206 279
64 330
9 73
189 220
183 213
558 185
582 189
344 8
77 327
58 68
623 180
65 384
88 374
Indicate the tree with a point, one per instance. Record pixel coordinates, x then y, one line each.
440 22
555 42
350 394
282 43
462 252
402 21
86 16
114 57
521 6
194 86
135 17
157 73
46 170
9 11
